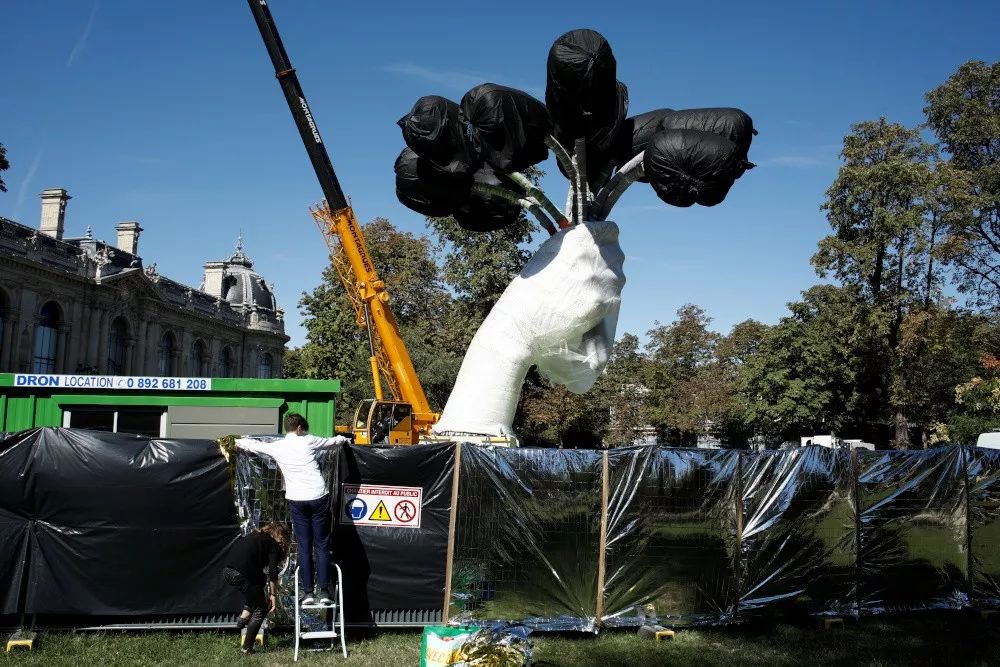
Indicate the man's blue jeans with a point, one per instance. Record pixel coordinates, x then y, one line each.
311 523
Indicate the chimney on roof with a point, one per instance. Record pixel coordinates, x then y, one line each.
128 236
214 274
53 212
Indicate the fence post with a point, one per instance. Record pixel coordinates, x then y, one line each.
451 532
601 557
738 556
966 453
855 473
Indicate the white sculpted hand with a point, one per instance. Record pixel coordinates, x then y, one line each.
559 313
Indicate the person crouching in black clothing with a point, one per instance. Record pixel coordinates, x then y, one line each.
244 569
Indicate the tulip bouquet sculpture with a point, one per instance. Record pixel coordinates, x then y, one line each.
466 160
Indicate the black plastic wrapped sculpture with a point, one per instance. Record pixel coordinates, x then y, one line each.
466 160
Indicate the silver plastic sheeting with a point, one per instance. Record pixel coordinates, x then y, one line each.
259 492
672 538
913 549
527 537
984 526
799 546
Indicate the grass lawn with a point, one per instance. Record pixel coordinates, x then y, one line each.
946 639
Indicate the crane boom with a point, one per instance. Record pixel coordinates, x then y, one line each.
337 220
297 104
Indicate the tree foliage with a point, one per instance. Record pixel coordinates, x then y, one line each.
881 352
964 114
337 347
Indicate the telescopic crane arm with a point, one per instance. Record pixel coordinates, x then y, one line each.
340 221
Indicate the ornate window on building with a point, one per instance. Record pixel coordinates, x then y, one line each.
46 339
167 353
226 363
264 367
198 359
117 345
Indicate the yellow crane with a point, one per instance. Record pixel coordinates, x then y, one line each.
407 416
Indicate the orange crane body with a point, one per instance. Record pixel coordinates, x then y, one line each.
377 421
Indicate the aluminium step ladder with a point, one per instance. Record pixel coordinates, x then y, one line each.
334 618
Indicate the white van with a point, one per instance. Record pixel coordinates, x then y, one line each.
989 440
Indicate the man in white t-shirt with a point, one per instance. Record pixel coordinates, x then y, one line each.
308 498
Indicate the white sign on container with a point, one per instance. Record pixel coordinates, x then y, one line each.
114 382
380 505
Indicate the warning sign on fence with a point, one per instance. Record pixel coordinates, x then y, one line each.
376 505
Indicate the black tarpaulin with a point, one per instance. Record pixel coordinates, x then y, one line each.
13 551
585 99
527 537
581 85
388 568
15 519
122 525
427 188
434 130
603 138
691 166
508 127
733 124
636 134
799 551
913 530
984 526
672 537
487 213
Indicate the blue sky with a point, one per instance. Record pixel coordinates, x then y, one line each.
168 113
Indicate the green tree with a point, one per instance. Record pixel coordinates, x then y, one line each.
292 363
622 393
478 266
964 114
336 347
733 353
878 209
681 375
552 415
938 349
802 375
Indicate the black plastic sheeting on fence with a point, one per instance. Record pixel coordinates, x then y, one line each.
913 532
384 569
99 525
114 525
702 537
397 568
672 536
984 526
799 533
527 536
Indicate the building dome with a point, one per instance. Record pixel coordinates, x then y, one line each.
241 286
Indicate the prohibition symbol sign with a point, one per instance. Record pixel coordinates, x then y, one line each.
405 511
381 505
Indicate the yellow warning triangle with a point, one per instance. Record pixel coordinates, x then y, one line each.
380 513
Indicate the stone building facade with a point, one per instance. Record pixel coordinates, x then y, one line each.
80 305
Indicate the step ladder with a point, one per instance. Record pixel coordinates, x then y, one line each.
334 618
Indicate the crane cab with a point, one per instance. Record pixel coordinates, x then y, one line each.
380 423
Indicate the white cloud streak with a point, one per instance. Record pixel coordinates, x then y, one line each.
81 41
29 176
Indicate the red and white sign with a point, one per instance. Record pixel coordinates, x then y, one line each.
378 505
